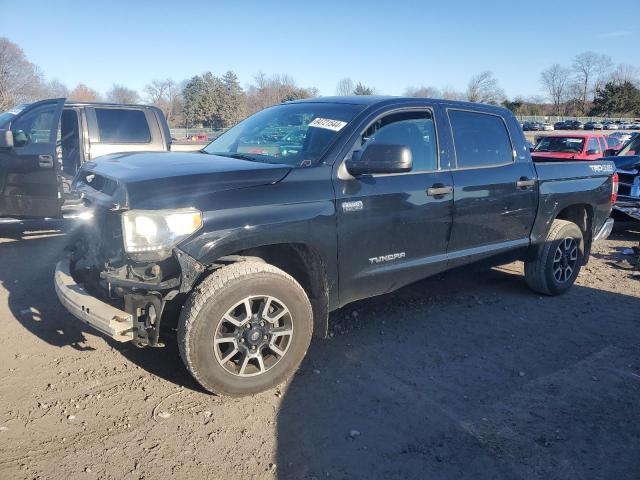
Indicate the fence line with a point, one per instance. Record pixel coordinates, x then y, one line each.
562 118
188 132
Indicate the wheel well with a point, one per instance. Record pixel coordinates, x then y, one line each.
581 215
305 265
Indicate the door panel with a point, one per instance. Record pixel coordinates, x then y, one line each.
393 229
495 191
390 232
29 181
490 207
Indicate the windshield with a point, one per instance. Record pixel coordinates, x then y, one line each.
560 144
295 134
631 148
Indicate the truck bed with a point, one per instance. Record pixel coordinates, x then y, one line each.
572 183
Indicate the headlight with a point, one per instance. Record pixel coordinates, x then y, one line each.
148 231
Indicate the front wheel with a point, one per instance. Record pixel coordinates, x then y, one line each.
245 329
558 261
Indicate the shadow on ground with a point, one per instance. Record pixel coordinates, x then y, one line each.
480 378
29 252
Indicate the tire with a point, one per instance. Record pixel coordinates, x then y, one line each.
217 310
542 274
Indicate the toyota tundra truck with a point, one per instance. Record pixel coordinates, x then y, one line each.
245 250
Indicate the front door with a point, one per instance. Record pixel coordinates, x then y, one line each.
393 229
29 170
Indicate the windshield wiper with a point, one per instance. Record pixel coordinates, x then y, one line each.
240 156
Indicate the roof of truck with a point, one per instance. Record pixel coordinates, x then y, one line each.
388 99
75 103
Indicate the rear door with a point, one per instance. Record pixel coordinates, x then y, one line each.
495 192
29 171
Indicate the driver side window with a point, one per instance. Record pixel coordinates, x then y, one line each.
34 126
415 130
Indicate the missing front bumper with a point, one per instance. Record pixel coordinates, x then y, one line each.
106 318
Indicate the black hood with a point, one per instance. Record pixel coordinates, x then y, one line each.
167 179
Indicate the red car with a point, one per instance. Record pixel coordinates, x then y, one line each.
582 146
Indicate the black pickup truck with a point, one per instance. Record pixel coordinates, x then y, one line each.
247 250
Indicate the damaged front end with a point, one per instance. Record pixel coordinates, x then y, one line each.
128 260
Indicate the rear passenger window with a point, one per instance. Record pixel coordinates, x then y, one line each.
116 125
414 130
480 139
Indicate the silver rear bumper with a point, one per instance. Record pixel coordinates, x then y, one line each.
111 321
605 231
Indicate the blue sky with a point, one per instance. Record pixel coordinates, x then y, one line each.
387 44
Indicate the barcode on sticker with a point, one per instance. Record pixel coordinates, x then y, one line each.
329 124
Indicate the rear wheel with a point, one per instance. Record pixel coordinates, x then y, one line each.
559 260
245 329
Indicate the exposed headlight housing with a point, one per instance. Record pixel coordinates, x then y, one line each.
155 232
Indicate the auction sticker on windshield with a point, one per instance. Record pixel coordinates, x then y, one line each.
327 123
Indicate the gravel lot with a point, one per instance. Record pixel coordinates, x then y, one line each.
464 376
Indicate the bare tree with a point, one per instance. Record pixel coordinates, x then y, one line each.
165 95
20 80
82 93
345 87
122 94
555 80
484 88
54 89
267 91
450 93
422 91
590 69
625 72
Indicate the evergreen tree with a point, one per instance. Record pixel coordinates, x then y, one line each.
234 101
617 98
362 90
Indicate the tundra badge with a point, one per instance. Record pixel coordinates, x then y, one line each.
387 258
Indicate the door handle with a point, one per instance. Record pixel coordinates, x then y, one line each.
45 161
525 182
439 190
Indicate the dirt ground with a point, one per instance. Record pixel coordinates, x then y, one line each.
470 375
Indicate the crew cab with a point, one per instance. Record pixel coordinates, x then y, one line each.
246 252
44 144
581 146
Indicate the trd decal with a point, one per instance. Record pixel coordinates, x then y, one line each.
352 206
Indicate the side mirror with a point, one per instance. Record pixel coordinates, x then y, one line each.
6 139
592 152
610 152
380 158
